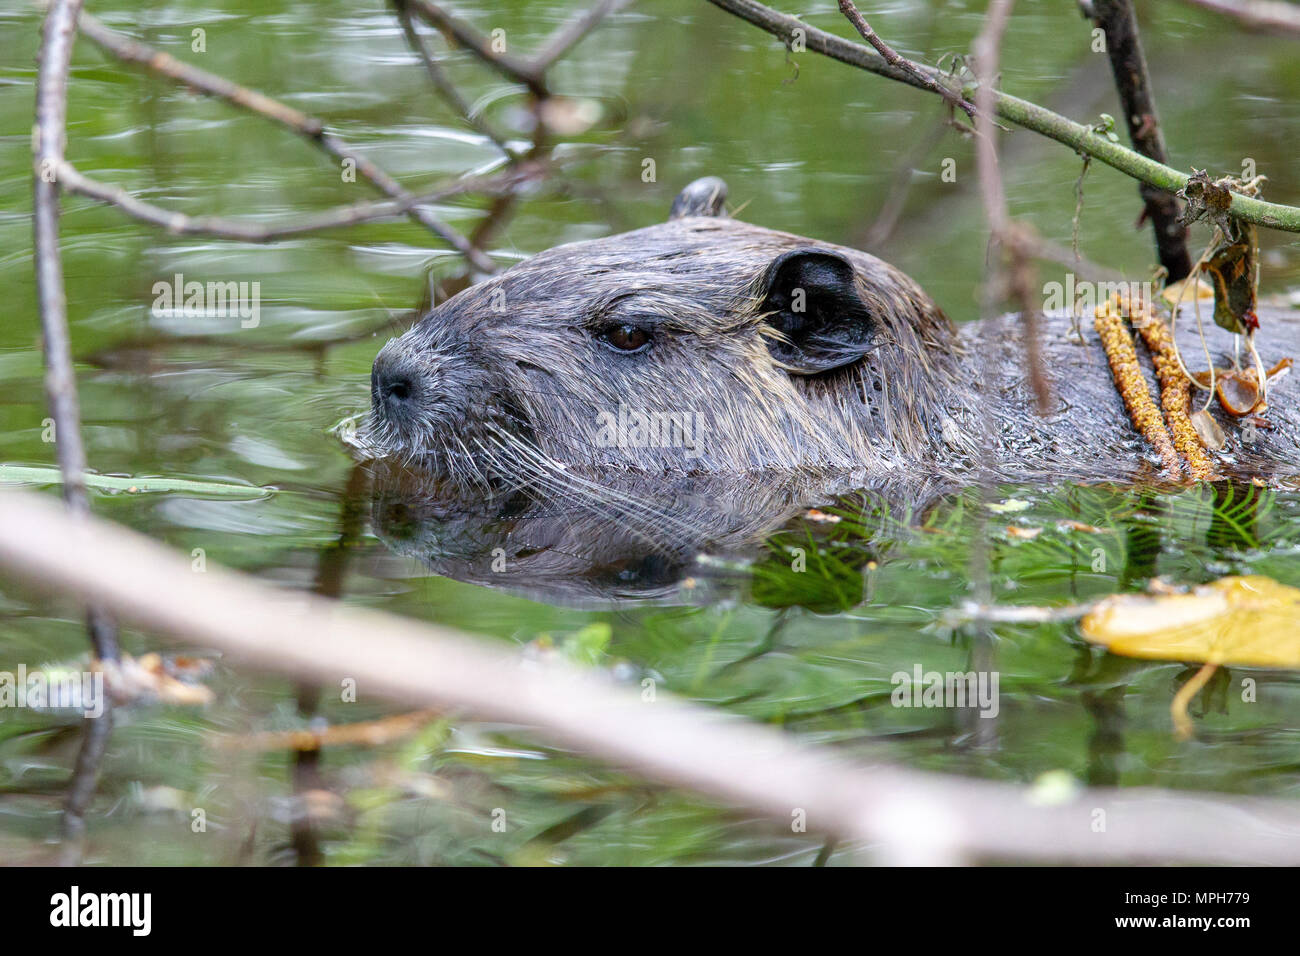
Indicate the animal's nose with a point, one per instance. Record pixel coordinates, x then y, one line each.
394 379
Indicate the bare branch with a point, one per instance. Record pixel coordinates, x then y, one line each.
50 133
81 788
50 137
242 231
60 381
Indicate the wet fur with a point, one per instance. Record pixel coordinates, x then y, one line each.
515 379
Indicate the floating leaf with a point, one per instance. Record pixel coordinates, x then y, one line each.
46 475
1251 621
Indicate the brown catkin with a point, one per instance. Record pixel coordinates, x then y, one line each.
1124 368
1175 392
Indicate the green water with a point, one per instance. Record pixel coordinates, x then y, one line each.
811 148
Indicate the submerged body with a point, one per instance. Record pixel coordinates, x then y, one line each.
705 346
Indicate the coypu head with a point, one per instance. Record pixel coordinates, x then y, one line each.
702 345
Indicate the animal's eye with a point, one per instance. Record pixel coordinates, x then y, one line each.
626 338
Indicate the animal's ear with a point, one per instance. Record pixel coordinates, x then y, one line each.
704 197
811 299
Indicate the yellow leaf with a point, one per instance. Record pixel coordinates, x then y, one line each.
1250 621
1202 290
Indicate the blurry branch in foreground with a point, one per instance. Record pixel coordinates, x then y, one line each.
1272 15
1083 139
902 815
1009 240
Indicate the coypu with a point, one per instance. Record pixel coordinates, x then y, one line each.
708 346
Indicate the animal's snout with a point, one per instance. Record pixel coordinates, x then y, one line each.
395 380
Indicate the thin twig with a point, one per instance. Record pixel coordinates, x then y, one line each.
81 788
311 740
573 32
1080 138
220 227
481 46
893 58
309 127
50 132
883 226
60 381
531 74
671 741
446 89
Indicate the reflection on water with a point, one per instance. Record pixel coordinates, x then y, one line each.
614 541
736 596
